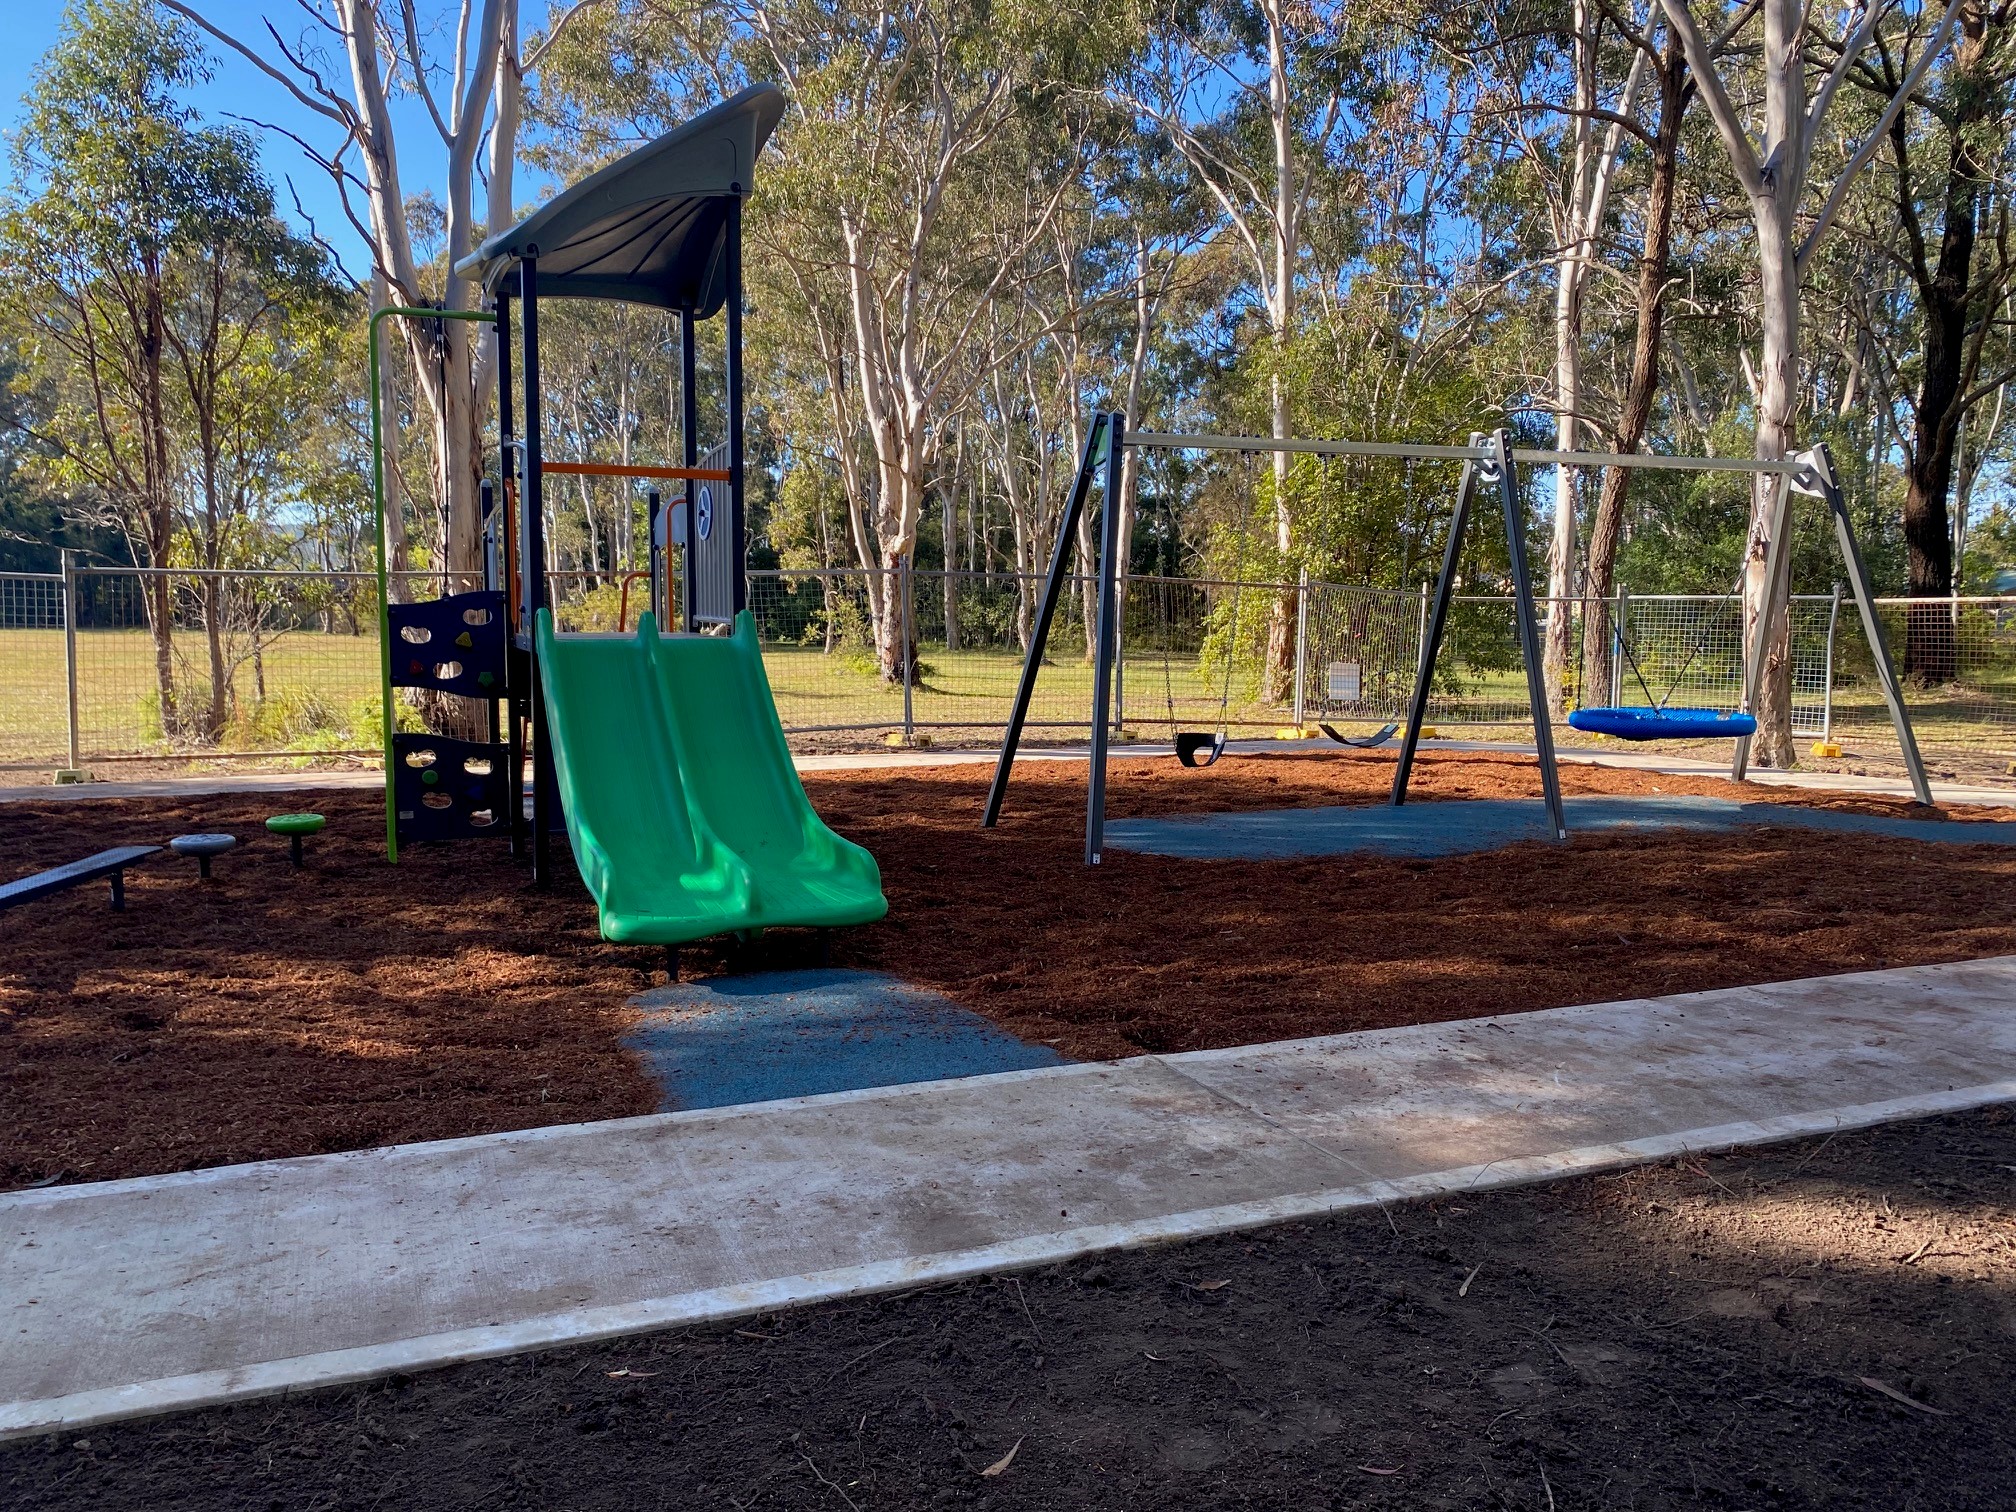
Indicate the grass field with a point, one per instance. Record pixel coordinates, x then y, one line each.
321 695
322 692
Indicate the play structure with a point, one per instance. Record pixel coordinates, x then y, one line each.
660 753
1488 461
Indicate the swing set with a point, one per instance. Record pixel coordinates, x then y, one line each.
1489 461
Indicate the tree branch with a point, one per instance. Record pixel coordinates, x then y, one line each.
1715 95
321 107
1860 158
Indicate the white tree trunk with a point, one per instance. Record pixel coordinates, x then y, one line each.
398 555
1777 409
1579 217
1772 169
1281 317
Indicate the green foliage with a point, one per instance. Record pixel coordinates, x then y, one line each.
808 521
176 335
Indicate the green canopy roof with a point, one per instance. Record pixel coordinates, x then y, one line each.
651 228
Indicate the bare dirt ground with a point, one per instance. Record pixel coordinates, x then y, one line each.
1822 1325
270 1013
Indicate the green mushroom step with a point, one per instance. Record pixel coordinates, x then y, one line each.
296 827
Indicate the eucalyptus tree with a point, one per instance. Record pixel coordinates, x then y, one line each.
1541 81
1940 215
1659 52
152 283
1254 95
251 331
475 102
1771 112
925 165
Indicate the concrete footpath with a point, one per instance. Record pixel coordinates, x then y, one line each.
132 1297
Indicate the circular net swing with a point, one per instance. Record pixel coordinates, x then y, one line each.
1659 718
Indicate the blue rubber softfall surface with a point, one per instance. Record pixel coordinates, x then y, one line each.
1449 828
777 1034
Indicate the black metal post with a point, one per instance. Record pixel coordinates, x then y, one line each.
737 514
1829 483
486 507
689 452
516 661
533 569
1046 610
1438 621
1529 629
1106 642
487 495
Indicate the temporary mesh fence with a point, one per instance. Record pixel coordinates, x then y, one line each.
181 664
1361 647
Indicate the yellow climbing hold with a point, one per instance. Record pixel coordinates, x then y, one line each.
463 640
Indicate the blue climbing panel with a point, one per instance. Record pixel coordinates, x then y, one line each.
452 645
450 789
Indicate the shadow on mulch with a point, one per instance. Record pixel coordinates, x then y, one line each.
271 1013
1822 1325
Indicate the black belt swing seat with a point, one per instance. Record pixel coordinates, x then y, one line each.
1378 737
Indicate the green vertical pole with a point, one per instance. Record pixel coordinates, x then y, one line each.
378 542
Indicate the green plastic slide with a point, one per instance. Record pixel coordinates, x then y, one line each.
685 813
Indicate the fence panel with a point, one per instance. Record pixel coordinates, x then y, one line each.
175 663
34 712
818 631
1195 654
1687 652
1958 661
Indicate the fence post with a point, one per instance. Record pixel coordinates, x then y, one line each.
1617 634
1301 643
70 654
1119 722
1421 624
903 587
1827 694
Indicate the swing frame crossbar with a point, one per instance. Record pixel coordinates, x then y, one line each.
1489 460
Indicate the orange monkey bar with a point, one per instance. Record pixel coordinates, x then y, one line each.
616 470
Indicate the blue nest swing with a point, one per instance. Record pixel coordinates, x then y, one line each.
1654 719
1648 723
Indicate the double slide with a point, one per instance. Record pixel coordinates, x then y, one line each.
683 807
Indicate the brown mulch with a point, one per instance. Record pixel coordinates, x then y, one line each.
1810 1328
272 1014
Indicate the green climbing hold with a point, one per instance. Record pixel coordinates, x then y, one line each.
430 777
485 678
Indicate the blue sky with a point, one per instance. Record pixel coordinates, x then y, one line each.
240 89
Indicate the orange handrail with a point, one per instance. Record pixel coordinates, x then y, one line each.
623 604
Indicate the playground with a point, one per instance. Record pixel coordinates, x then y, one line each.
275 1013
609 1014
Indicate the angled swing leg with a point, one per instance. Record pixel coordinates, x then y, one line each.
1039 634
1438 621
